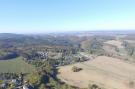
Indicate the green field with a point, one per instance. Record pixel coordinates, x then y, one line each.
16 65
2 53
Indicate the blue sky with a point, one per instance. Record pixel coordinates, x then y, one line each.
38 16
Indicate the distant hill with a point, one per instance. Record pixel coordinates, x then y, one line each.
9 40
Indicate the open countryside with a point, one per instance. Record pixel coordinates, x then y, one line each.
67 44
109 72
16 65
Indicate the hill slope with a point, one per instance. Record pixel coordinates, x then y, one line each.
105 71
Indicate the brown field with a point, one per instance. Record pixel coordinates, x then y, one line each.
115 43
107 72
131 41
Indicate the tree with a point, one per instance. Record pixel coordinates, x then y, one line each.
76 69
42 86
93 86
34 79
1 81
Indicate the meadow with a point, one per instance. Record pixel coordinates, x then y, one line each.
16 65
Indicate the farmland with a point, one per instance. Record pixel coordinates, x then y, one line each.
107 72
68 62
115 43
16 65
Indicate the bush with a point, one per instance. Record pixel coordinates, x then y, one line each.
76 69
94 86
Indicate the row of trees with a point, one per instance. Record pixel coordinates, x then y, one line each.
93 46
46 78
130 48
8 55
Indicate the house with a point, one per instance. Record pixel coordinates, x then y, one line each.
27 87
3 86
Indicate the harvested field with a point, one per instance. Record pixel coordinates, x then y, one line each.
107 72
131 41
115 43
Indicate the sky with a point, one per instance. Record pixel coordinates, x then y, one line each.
41 16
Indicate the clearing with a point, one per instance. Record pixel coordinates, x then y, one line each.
115 43
16 65
131 41
107 72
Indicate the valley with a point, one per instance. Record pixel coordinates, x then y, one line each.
68 61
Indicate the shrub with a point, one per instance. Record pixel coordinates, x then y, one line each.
76 69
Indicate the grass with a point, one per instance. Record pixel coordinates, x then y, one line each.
2 53
16 65
107 72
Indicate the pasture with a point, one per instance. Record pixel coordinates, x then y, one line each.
107 72
115 43
16 65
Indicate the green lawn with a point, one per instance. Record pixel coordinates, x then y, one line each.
16 65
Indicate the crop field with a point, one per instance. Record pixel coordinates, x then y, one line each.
16 65
107 72
131 41
115 43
